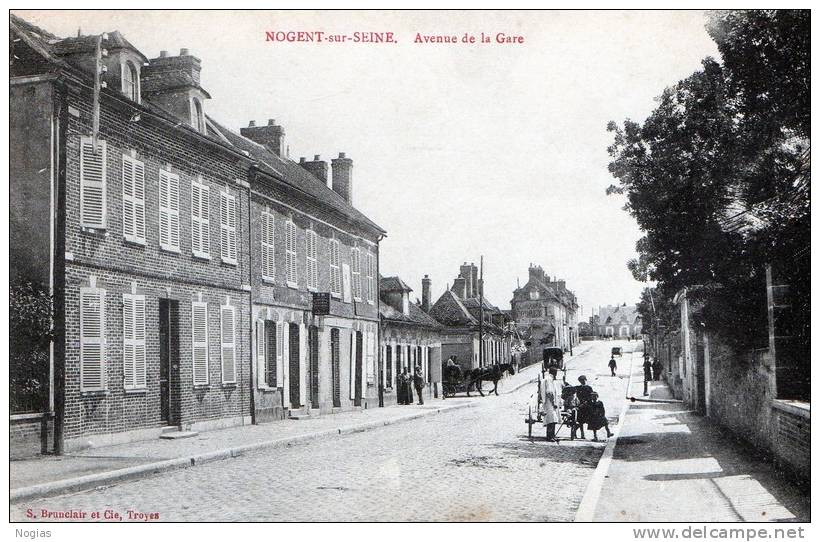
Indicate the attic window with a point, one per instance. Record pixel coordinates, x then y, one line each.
130 81
198 120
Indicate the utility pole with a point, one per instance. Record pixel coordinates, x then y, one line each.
481 314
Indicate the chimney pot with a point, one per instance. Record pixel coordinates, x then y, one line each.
251 124
316 158
163 54
342 182
184 52
317 167
271 122
341 155
301 159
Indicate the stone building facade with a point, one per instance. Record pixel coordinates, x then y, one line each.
409 337
617 321
459 311
174 243
545 313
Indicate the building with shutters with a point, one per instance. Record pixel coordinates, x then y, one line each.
617 321
545 313
181 257
459 311
409 337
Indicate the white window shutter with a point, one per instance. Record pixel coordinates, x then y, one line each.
92 339
303 365
261 358
290 249
199 333
133 199
92 184
228 333
355 265
200 220
312 268
168 211
285 361
140 365
227 227
268 267
139 200
335 271
280 363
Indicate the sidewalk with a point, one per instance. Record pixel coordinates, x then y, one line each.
670 464
49 475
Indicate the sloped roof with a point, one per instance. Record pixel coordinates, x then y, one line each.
619 314
393 284
449 310
416 316
83 44
290 172
296 176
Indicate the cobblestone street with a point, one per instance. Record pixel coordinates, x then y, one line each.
469 464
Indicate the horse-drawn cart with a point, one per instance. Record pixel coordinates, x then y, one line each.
457 380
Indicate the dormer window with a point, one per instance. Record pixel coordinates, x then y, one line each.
198 120
131 81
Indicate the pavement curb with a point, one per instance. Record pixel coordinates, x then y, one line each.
589 502
90 481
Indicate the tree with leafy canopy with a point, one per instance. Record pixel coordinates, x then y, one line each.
711 175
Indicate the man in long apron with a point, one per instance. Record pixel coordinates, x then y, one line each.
551 403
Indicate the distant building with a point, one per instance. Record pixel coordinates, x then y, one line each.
409 336
617 321
545 313
459 311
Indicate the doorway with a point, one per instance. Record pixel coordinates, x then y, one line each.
313 348
295 376
334 368
169 361
357 396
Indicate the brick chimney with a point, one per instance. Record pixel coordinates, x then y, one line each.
466 272
317 167
271 136
172 82
459 286
425 293
343 177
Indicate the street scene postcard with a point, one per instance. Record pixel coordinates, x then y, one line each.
410 266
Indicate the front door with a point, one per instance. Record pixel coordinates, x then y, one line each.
358 373
334 367
313 346
168 360
295 376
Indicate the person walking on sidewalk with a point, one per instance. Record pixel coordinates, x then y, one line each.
647 369
612 365
596 418
401 387
551 403
418 382
657 369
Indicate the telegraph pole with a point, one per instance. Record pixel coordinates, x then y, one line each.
481 314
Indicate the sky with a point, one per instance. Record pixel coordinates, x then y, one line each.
459 150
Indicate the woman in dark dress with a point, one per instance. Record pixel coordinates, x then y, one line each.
596 418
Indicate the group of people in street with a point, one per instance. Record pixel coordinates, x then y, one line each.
571 405
405 382
651 370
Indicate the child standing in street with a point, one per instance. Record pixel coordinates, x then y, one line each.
597 417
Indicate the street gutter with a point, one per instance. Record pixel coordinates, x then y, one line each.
91 481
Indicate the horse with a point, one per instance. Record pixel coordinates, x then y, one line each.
492 373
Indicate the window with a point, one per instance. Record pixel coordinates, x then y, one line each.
199 332
227 227
268 267
200 223
355 266
370 266
388 365
311 256
130 81
133 332
290 256
92 184
335 269
133 200
92 339
198 118
168 211
228 334
266 352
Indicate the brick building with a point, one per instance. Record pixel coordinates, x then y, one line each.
409 336
545 313
459 310
173 244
